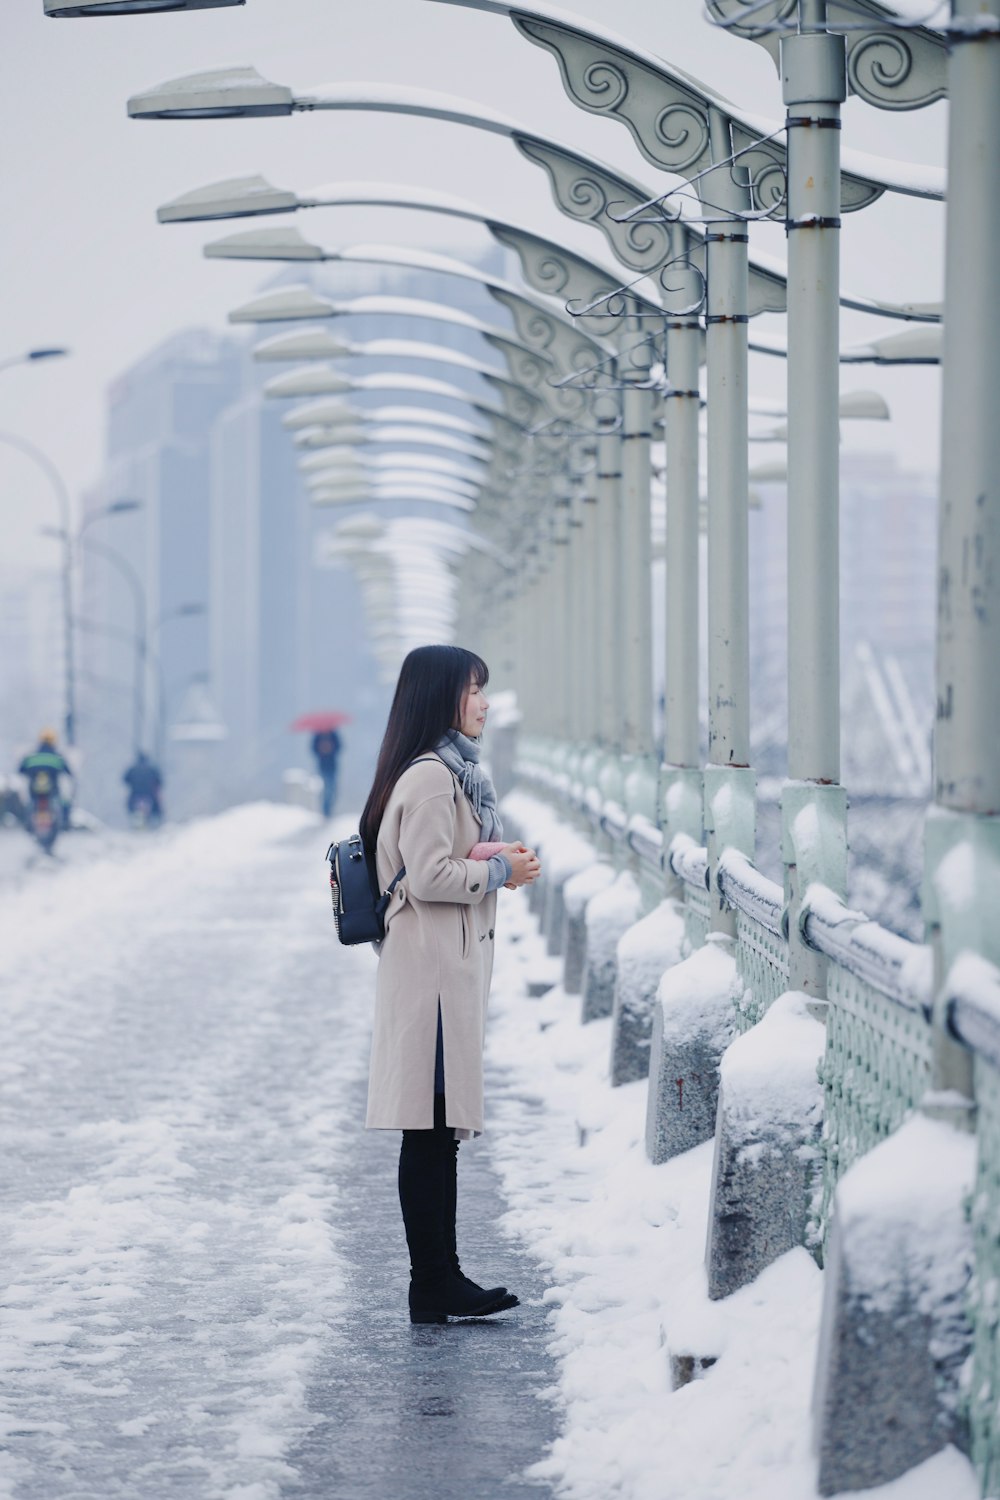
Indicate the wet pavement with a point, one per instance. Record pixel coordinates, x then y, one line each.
204 1266
446 1413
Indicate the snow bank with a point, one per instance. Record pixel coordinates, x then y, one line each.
693 1023
609 916
767 1168
901 1210
581 887
623 1243
769 1074
650 946
896 1330
577 892
564 853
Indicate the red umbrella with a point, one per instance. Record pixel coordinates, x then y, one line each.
315 723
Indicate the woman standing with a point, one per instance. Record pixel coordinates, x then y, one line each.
430 805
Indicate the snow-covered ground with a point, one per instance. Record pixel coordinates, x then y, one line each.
168 1220
172 1095
624 1243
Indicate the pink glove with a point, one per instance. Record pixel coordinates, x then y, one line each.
485 851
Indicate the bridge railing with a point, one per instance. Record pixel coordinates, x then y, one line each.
880 1028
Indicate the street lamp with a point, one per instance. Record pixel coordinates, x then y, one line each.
703 153
61 493
115 508
61 9
134 582
527 367
320 380
31 356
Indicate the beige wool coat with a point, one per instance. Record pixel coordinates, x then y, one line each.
438 947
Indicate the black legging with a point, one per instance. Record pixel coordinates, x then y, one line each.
428 1192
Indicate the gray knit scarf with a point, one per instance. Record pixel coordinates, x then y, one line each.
461 755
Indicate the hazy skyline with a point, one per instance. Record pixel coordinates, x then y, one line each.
86 264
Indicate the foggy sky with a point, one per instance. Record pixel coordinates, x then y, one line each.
84 262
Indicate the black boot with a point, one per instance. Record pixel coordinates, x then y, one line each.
451 1208
436 1293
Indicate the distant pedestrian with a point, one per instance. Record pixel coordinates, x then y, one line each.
430 804
145 790
49 775
326 748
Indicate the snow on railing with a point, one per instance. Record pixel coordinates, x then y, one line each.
750 892
647 841
688 861
973 1005
614 821
894 966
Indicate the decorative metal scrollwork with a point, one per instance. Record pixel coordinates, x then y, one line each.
527 369
556 272
567 347
668 120
893 62
583 191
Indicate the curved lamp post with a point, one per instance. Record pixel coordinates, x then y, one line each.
55 479
680 125
243 92
125 569
527 367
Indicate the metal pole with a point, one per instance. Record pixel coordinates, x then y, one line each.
609 507
134 582
729 787
681 786
636 584
967 727
62 498
583 538
813 66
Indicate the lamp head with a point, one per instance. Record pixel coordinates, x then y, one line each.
234 198
324 437
67 8
323 413
223 94
265 244
284 305
306 380
304 343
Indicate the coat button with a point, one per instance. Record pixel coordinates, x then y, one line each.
475 887
491 932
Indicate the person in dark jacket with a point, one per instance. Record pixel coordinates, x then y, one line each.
326 748
42 770
144 783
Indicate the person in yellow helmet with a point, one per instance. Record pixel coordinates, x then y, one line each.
43 768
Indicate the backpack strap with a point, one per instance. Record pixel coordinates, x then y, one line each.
419 761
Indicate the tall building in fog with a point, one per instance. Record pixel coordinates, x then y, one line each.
161 413
237 614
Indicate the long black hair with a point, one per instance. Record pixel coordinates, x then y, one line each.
427 703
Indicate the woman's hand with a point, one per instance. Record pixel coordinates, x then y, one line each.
524 865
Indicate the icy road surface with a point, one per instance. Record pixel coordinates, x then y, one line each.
206 1270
